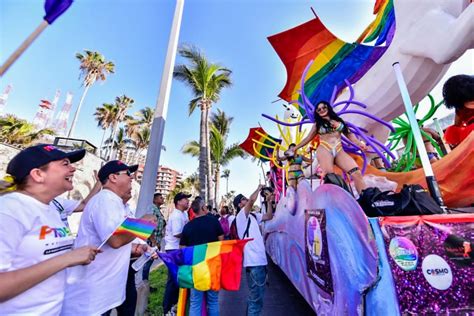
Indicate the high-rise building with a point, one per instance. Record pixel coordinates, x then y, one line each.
44 115
4 98
60 122
167 180
131 156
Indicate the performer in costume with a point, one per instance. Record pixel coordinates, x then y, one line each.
295 161
330 127
458 93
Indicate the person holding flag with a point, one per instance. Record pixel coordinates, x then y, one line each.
203 229
106 222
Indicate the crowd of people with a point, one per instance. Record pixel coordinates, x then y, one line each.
45 270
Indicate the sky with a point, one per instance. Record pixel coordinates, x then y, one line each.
134 35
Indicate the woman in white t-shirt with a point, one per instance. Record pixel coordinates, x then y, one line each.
35 244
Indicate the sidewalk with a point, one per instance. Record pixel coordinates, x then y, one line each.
281 297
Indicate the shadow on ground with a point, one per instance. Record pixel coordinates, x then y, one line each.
281 297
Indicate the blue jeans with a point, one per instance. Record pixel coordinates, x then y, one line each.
146 269
171 293
212 303
256 279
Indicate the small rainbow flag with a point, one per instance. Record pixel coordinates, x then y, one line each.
135 226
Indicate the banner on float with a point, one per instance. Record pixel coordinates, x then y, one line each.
316 250
431 259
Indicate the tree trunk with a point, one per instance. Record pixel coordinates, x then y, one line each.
227 185
76 115
102 143
210 191
202 154
110 148
217 184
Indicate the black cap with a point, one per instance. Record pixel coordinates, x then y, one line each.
36 156
237 200
181 195
114 166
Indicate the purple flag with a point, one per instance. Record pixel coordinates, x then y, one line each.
54 8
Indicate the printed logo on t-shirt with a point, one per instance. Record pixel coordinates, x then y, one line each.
55 238
58 232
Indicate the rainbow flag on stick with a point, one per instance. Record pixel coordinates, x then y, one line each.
135 226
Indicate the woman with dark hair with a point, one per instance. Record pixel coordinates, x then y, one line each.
458 93
295 161
329 126
35 243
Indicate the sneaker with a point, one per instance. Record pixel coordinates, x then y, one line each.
174 310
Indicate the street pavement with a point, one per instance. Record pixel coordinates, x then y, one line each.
281 297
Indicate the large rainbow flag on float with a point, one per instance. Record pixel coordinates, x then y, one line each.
333 59
259 144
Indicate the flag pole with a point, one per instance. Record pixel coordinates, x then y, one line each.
13 57
152 162
430 177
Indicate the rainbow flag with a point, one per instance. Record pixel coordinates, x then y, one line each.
212 266
259 144
333 59
135 226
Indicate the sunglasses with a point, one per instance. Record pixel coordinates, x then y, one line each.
127 172
323 108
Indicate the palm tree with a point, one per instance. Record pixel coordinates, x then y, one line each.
104 116
206 81
228 198
142 119
141 140
220 154
221 121
20 132
226 175
189 185
93 68
121 105
120 143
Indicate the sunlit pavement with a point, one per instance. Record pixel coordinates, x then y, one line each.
281 297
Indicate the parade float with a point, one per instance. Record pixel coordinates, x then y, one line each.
341 261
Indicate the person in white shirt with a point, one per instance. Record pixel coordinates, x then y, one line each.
178 218
102 285
255 259
35 244
66 207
